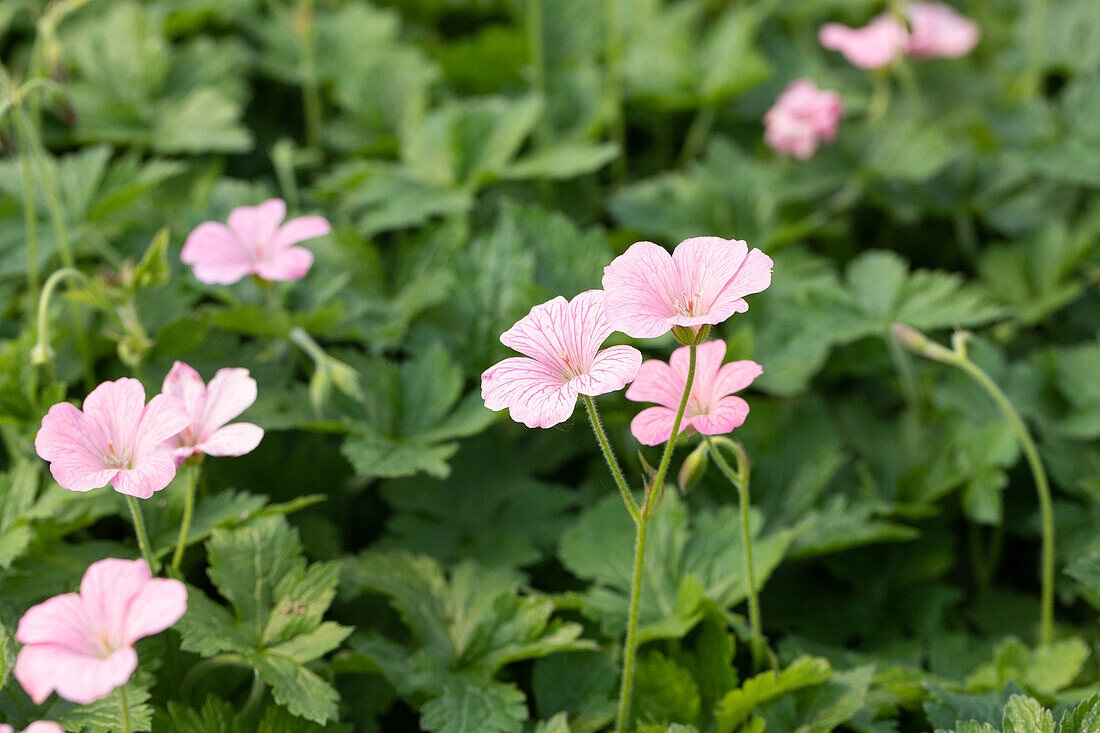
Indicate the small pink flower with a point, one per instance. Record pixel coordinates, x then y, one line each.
211 406
41 726
802 117
254 243
870 47
711 408
561 340
704 281
117 439
939 31
82 644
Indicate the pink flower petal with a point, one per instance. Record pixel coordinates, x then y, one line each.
164 417
232 440
216 255
640 288
114 411
149 475
76 457
288 264
735 376
256 225
40 726
653 425
60 620
301 229
157 605
106 592
870 47
656 382
612 369
184 383
533 394
230 392
79 678
722 417
939 31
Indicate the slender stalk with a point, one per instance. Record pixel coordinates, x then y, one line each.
1037 21
142 534
662 469
41 353
630 646
185 525
311 90
30 220
630 649
255 696
740 479
609 456
125 705
220 660
1042 487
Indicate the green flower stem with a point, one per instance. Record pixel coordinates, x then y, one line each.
740 479
614 92
30 221
125 705
1042 487
609 456
697 134
630 649
28 138
142 534
658 480
630 646
1037 21
42 353
185 525
220 660
956 356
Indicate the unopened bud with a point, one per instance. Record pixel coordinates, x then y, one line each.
694 468
41 354
691 335
917 342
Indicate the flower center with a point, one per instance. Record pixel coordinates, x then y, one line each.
687 305
114 459
574 371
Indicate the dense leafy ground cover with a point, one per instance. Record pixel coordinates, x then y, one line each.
393 555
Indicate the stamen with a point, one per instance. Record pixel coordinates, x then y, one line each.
111 448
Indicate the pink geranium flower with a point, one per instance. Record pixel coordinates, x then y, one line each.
211 406
82 644
939 31
41 726
561 340
704 281
801 118
871 47
117 439
711 408
254 243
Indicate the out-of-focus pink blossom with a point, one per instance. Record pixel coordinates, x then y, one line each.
704 281
871 47
40 726
937 30
211 406
561 341
801 118
116 439
256 242
82 644
712 408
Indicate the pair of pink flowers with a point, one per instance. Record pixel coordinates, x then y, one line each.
936 30
137 447
802 118
82 644
255 242
647 292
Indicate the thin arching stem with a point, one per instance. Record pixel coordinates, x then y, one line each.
740 479
185 525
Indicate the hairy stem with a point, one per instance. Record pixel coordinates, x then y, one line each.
185 525
142 534
630 646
